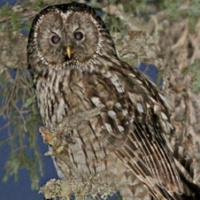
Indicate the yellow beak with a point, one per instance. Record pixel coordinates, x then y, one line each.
69 52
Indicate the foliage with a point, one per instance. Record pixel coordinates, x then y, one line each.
17 99
195 73
18 109
175 9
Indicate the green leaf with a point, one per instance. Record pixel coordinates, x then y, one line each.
29 101
195 70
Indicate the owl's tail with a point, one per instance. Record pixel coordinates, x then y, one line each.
191 190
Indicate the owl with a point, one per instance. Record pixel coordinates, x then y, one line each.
75 68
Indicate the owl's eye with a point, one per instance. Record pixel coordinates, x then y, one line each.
55 39
78 35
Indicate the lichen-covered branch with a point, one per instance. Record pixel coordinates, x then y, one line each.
80 187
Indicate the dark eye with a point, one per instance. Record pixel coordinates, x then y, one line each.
78 35
55 39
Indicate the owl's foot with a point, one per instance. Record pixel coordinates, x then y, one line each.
45 134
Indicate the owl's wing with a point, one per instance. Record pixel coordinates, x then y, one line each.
151 161
145 149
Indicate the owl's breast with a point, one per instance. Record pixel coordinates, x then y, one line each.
58 96
62 94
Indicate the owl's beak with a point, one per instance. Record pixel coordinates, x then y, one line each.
69 51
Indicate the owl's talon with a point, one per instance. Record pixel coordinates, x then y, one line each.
45 134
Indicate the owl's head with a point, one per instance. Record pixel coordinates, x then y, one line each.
68 33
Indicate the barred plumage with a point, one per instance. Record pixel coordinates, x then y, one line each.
128 137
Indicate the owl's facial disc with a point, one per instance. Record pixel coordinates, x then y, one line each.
66 37
49 39
78 35
68 34
81 36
